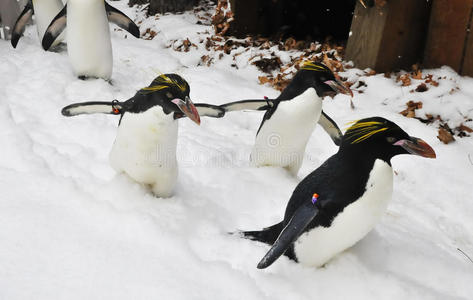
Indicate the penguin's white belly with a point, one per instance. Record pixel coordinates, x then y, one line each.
319 245
282 139
88 39
44 13
145 149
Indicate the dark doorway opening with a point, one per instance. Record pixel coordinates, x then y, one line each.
301 19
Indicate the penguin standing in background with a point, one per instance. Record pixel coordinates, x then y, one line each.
88 35
291 118
339 203
44 12
145 145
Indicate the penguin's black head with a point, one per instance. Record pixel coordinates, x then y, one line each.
318 76
381 138
171 92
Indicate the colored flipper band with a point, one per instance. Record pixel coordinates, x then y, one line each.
114 107
315 197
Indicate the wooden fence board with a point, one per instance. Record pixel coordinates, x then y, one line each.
365 37
447 33
390 37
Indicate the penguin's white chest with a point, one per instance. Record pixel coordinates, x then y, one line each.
145 149
44 13
319 245
282 139
88 38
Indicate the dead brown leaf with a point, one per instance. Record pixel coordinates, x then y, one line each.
405 79
464 128
264 79
411 108
290 44
417 74
445 136
422 88
149 34
428 79
313 47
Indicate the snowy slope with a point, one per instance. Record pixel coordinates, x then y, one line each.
70 228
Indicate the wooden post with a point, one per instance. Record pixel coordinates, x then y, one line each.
390 37
450 41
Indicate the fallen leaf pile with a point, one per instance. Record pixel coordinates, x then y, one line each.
278 74
182 45
446 134
406 79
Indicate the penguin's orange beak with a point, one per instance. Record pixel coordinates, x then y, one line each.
416 146
188 108
339 87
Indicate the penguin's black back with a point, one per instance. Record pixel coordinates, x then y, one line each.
339 181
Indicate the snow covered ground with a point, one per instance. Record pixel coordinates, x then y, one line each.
71 228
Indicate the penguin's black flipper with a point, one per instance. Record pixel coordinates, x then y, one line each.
21 22
249 105
119 18
299 221
95 107
205 110
331 128
55 28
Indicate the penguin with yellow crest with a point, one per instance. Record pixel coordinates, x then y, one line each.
291 118
145 145
340 202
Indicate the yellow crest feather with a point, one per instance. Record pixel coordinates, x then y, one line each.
360 131
162 82
311 66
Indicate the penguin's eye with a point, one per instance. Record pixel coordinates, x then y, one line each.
169 95
323 79
391 139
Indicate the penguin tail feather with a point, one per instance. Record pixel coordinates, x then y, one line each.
268 235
